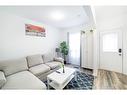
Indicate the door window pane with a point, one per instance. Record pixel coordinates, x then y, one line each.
110 42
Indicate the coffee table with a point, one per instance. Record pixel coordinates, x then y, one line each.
60 80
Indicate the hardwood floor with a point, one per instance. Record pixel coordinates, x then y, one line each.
105 80
88 71
110 80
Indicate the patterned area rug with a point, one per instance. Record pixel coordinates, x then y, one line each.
84 82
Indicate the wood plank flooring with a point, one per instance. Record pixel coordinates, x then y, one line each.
110 80
106 80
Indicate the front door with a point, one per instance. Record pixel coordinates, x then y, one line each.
111 50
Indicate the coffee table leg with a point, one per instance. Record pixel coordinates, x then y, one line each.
48 83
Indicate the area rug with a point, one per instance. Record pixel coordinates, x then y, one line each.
84 82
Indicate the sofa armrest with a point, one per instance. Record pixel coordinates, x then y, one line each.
59 59
2 79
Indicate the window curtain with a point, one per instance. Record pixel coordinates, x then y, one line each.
74 48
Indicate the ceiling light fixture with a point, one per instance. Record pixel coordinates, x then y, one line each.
57 15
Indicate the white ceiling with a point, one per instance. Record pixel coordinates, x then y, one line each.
109 11
73 15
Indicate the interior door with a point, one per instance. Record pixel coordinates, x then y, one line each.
111 50
87 50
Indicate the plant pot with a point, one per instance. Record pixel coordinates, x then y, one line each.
65 62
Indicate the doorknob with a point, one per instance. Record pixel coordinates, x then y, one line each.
120 51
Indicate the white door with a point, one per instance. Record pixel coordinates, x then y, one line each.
87 50
111 50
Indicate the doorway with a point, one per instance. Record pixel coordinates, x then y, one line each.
111 55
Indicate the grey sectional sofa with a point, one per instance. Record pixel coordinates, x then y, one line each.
27 73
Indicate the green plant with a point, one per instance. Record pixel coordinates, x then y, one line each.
64 49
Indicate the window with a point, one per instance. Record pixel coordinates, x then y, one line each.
74 48
110 42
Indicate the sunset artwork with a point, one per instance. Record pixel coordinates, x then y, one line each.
33 30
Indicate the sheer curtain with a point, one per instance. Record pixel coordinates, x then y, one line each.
74 48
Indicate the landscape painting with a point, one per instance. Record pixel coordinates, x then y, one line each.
34 30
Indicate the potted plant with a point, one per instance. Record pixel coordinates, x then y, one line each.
64 50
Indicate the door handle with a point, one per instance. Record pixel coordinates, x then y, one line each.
120 51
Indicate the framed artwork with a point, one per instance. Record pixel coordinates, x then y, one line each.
34 30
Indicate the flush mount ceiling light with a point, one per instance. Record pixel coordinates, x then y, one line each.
57 15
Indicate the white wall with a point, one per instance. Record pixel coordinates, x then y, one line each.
83 27
113 17
14 43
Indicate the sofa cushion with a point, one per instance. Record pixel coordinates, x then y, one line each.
48 57
34 60
2 79
39 69
53 64
23 80
13 66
